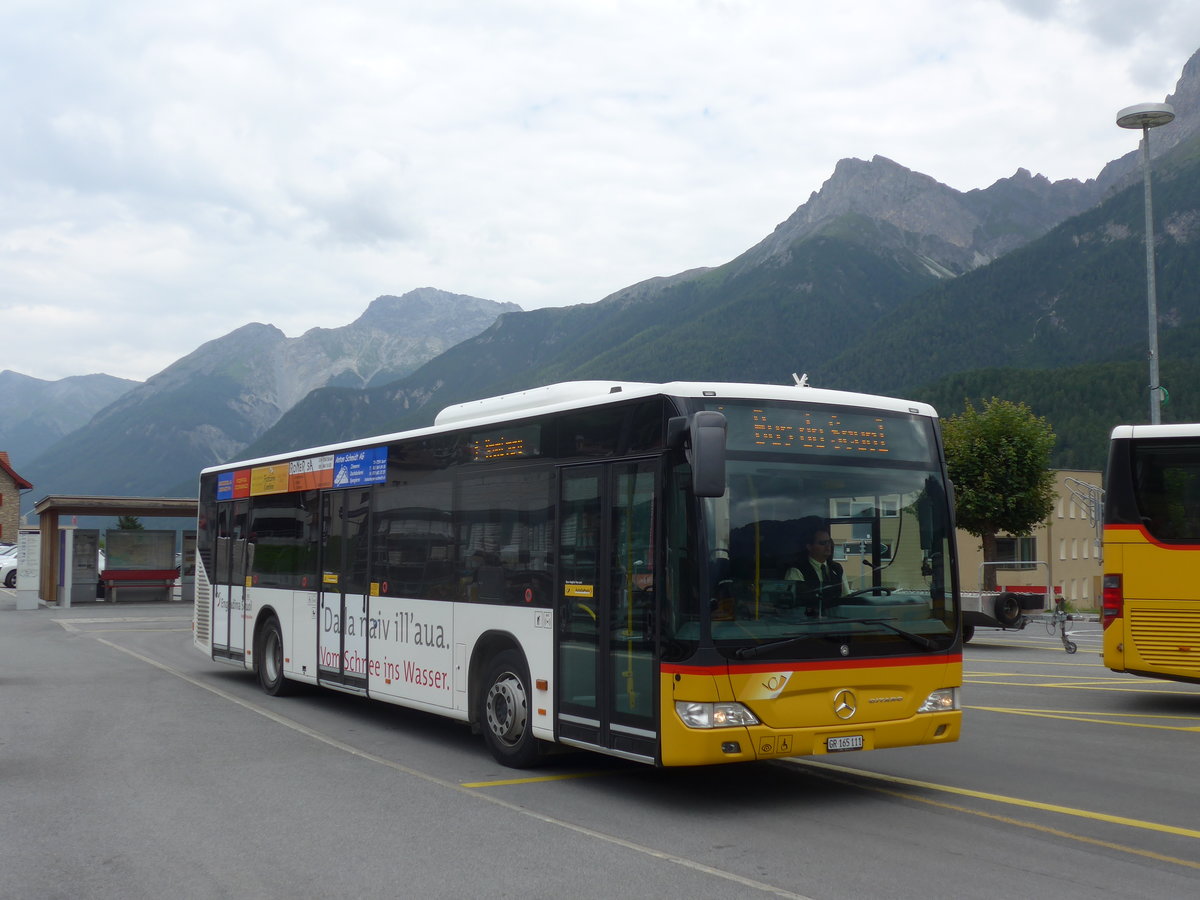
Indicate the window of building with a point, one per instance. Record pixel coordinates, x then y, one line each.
1016 552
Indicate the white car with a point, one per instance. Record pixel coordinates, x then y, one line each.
8 569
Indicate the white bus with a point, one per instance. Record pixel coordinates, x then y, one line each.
609 566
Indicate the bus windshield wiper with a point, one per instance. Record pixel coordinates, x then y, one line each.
751 652
919 639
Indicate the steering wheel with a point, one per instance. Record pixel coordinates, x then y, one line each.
871 590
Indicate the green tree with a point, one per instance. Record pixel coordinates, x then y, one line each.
998 459
129 523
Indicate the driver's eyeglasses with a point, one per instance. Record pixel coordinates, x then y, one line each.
828 542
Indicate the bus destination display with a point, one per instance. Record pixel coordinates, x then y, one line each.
823 431
506 443
796 429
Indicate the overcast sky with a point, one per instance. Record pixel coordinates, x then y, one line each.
170 171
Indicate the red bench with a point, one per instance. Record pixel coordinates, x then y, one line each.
163 579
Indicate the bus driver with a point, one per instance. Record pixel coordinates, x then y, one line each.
822 582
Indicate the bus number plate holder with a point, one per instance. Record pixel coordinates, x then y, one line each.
845 742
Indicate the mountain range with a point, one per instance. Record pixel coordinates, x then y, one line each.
884 280
34 413
208 406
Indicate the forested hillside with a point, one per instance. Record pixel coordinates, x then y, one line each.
1084 402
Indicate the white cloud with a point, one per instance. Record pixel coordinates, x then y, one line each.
187 167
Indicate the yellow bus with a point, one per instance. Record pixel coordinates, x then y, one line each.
612 566
1151 601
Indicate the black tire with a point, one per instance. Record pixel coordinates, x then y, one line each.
504 714
269 654
1008 609
968 633
10 580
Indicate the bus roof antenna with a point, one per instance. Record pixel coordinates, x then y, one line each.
801 380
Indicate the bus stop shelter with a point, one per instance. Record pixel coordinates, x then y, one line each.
50 511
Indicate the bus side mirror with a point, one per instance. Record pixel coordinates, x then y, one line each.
708 453
702 437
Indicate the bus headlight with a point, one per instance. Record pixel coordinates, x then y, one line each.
714 715
941 700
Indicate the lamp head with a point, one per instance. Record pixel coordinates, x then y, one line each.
1145 115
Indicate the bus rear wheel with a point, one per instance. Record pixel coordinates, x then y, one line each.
269 654
504 709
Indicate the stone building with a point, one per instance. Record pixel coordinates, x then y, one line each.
11 485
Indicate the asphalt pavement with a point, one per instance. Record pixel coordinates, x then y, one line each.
132 766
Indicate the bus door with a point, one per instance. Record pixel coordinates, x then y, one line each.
229 582
342 605
607 685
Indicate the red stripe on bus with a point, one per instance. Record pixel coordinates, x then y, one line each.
1149 538
816 666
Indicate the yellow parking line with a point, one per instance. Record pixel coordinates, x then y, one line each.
507 781
1007 674
1092 718
1007 820
1037 662
1091 712
977 681
1092 815
1098 686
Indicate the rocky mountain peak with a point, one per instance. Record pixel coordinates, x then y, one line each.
423 306
879 189
1186 102
953 231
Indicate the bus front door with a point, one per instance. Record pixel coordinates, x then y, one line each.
229 582
342 606
607 690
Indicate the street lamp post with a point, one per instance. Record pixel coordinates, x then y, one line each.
1146 116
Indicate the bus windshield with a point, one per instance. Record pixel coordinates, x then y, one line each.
833 536
1166 488
826 553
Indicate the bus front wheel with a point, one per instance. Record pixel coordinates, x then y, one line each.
504 708
270 660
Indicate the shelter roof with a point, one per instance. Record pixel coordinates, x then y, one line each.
75 505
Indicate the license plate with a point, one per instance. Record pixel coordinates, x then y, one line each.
848 742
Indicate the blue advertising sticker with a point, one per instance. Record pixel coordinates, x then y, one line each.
358 467
225 485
